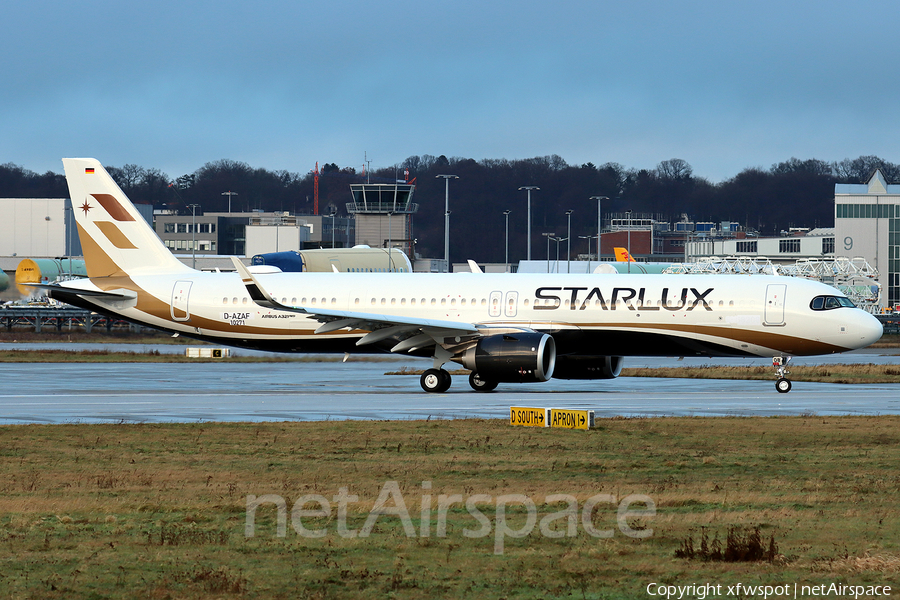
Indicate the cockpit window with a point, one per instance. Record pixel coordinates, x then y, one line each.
830 302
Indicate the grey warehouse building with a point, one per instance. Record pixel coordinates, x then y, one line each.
867 224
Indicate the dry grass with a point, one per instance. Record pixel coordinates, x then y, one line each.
837 373
157 511
154 356
854 565
98 335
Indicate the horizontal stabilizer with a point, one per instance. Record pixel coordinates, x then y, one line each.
121 294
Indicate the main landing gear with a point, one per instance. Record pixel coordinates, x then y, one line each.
782 384
481 385
437 381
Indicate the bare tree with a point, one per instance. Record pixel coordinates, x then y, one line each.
674 169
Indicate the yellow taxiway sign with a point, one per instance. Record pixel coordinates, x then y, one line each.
528 417
571 419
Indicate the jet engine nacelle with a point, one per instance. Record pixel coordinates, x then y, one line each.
512 357
588 367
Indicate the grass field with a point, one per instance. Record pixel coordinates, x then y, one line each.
161 511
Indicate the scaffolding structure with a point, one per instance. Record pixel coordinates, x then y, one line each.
855 277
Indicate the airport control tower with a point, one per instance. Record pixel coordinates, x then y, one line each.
383 214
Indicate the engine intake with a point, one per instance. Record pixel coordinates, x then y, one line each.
512 358
588 367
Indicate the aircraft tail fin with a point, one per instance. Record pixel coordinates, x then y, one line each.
115 238
622 255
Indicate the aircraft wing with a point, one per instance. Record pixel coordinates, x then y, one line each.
416 332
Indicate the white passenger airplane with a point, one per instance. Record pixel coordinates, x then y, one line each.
504 327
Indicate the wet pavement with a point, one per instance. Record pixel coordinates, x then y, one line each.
307 391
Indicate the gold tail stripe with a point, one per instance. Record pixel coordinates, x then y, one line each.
112 206
115 235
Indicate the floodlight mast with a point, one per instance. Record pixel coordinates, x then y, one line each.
447 179
529 188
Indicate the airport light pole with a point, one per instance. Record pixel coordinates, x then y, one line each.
548 236
558 240
506 214
599 199
390 241
70 223
529 188
569 239
333 214
447 179
588 238
229 194
193 208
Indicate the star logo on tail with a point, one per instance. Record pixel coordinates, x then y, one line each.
85 207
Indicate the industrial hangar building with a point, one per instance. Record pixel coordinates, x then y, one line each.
867 224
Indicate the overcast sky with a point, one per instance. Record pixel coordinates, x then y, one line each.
283 84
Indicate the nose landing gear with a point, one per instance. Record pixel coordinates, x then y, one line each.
782 383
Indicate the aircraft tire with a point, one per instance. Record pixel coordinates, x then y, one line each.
435 381
446 380
783 385
480 385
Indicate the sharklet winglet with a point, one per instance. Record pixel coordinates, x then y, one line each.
257 292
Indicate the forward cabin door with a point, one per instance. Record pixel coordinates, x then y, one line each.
775 293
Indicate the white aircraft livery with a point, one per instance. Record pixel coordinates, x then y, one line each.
505 328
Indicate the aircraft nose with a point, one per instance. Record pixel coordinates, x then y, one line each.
870 329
